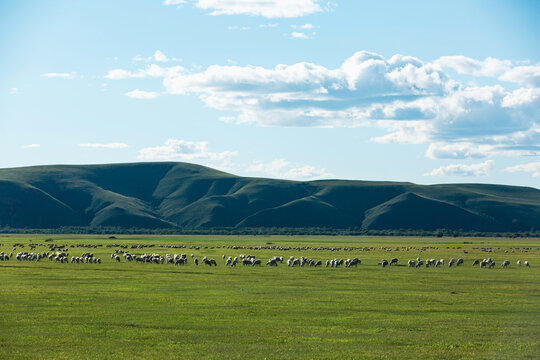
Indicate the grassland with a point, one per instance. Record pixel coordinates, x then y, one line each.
143 311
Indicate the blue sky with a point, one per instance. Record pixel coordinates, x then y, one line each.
421 91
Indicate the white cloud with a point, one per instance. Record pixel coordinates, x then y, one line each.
237 27
404 132
519 143
461 150
14 91
464 65
268 26
533 168
299 35
521 97
462 170
141 94
71 75
265 8
413 101
158 56
304 27
150 71
528 75
175 2
283 169
366 87
31 146
504 70
115 145
181 150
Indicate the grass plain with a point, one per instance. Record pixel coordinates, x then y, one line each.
124 310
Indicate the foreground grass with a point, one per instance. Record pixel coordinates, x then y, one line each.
127 310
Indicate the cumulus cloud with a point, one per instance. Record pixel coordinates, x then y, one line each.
141 94
462 170
365 87
532 168
71 75
115 145
284 169
181 150
265 8
14 91
31 146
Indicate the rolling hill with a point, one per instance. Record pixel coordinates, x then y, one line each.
181 195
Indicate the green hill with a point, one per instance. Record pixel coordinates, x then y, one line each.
165 195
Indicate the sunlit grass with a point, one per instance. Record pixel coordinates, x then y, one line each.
128 310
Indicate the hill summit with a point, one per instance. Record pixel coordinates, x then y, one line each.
182 195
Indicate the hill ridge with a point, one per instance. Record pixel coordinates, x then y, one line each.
174 194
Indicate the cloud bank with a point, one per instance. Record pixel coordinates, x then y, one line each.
411 101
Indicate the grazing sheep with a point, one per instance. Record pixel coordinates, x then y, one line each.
526 263
384 263
505 263
352 262
519 263
197 262
476 262
394 261
419 263
255 262
459 262
451 262
411 263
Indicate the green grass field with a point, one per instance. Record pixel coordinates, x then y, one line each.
146 311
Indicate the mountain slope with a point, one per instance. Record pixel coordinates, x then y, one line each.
161 195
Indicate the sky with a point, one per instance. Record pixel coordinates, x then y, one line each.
420 91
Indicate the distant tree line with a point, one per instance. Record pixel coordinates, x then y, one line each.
267 231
